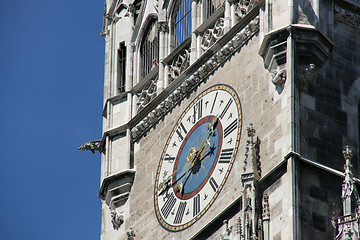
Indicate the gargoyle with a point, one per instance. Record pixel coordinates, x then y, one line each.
92 146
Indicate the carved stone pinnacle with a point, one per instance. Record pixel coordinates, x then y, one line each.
347 153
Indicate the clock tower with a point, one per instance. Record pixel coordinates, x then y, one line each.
226 119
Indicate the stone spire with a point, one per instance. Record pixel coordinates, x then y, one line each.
249 179
348 224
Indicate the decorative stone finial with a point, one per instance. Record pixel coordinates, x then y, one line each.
131 234
266 209
251 131
348 224
227 230
347 153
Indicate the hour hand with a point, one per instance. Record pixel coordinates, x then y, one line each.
164 185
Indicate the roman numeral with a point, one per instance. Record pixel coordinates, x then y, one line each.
212 107
225 155
226 108
169 158
230 128
180 130
213 184
197 111
169 204
196 208
180 213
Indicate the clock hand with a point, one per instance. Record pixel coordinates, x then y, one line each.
164 184
180 185
206 139
192 158
189 159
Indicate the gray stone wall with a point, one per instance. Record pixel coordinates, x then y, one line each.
328 114
328 119
262 105
320 203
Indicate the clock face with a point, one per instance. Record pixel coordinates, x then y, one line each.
197 157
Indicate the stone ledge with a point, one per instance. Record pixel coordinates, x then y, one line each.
310 42
115 189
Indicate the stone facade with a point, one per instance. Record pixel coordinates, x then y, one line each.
295 67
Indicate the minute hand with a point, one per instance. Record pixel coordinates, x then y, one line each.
210 130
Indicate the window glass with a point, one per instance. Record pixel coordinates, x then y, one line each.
121 67
182 25
149 50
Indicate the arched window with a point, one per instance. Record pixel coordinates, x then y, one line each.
149 50
182 23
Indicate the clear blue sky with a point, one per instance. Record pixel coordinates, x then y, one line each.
51 76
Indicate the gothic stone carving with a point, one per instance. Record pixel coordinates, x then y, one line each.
131 234
92 146
226 234
278 76
212 35
147 95
178 65
348 224
243 7
197 77
116 219
307 74
163 26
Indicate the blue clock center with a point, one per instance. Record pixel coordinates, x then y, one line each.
194 174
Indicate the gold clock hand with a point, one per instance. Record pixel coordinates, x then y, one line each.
206 138
164 184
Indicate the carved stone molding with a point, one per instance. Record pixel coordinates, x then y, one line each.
346 16
115 189
92 146
194 79
211 35
116 219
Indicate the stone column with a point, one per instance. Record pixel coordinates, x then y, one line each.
129 66
163 29
194 19
232 14
266 218
227 16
